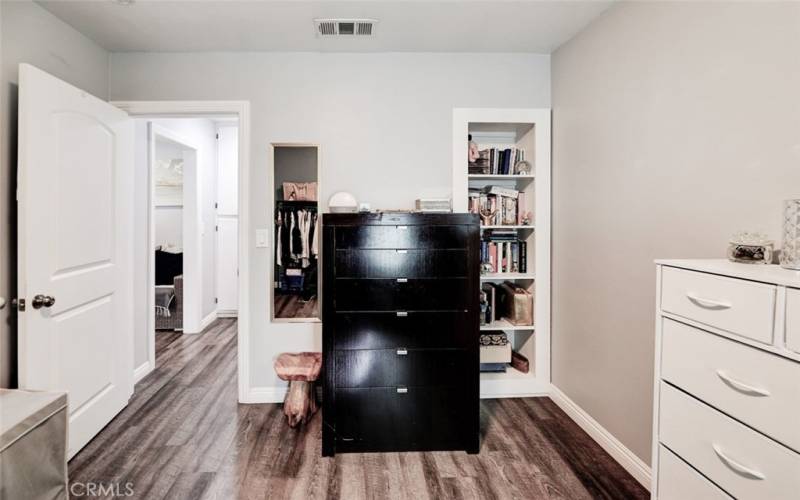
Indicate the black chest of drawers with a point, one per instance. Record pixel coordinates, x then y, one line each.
400 331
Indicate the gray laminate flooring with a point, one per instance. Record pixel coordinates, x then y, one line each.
184 436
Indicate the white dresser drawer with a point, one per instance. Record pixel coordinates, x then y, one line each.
737 306
793 319
756 387
678 481
741 461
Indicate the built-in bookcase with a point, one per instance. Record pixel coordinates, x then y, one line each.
527 129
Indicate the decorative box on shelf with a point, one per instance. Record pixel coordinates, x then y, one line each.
433 205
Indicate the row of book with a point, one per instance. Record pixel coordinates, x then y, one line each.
501 206
497 161
504 254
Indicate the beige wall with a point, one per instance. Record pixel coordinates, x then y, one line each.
675 125
32 35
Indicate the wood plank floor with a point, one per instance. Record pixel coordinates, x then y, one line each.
183 436
292 306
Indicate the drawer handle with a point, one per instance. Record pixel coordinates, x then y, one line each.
402 390
402 351
402 280
736 466
708 303
741 386
402 314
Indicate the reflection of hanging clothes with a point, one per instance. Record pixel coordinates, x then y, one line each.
297 242
278 241
315 237
296 236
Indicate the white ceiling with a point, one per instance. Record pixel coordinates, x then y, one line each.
412 26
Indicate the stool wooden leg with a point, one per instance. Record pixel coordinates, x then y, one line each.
300 403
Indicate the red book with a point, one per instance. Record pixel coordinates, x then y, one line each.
493 256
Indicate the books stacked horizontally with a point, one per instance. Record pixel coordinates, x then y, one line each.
506 206
497 161
503 252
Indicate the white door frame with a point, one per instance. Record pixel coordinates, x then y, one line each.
190 222
241 109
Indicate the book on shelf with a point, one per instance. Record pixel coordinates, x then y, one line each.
497 161
501 253
504 206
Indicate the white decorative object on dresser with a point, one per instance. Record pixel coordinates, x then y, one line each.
727 381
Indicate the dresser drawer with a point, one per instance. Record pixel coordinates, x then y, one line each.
393 237
741 461
421 294
383 419
756 387
678 481
411 263
412 329
400 367
793 319
737 306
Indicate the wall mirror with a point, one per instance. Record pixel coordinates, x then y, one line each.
296 235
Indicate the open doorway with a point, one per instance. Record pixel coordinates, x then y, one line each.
174 211
187 230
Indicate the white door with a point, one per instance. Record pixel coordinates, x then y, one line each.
227 220
75 202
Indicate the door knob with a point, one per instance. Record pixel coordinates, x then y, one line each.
40 301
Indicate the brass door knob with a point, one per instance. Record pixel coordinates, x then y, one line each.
40 301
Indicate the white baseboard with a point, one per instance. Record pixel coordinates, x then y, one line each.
142 371
265 395
618 451
208 320
227 314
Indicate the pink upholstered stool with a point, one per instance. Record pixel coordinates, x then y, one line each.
300 370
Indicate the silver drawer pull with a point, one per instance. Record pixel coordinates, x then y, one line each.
741 386
402 251
402 280
708 303
402 228
402 351
736 466
402 314
402 390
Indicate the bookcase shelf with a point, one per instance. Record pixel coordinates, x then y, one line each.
504 325
513 129
500 177
500 226
507 276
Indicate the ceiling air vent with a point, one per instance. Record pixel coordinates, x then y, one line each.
345 27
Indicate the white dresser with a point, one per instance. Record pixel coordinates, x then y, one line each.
727 381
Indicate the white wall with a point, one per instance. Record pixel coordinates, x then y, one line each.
383 122
29 34
675 125
168 217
